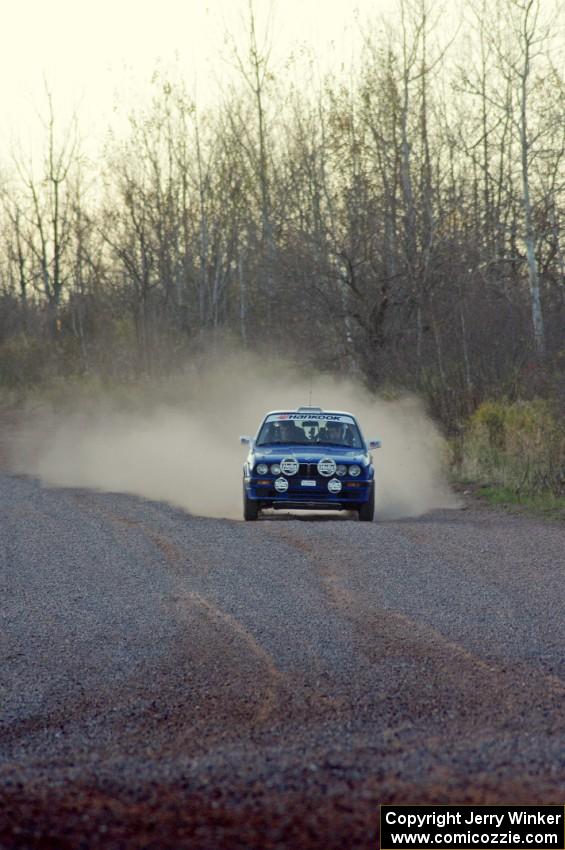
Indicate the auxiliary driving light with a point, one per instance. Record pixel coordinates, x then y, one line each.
326 466
334 486
281 485
289 466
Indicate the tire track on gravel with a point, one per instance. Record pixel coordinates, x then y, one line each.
182 600
269 679
472 687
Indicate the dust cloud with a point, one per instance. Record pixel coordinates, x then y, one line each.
178 440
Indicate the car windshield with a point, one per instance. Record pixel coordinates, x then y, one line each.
279 429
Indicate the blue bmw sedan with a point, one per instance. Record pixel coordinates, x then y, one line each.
312 459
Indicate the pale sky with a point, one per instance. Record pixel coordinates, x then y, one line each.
95 52
91 51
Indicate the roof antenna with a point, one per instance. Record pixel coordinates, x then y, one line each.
310 395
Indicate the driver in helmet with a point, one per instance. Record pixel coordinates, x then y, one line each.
287 432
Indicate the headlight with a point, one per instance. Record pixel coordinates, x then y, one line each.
261 469
341 469
275 469
355 470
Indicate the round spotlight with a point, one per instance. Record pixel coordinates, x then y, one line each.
326 466
289 466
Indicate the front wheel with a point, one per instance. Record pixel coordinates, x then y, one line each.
367 509
250 508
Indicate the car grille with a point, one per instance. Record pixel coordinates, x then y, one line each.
308 470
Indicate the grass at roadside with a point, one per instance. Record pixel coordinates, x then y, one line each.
544 505
541 504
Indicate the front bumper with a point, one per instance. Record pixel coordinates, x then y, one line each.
354 492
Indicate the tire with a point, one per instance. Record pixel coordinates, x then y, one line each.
367 509
250 508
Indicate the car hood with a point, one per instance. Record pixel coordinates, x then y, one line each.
309 454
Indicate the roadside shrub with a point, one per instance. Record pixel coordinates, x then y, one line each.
24 361
519 445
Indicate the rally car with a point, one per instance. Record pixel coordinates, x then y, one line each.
312 459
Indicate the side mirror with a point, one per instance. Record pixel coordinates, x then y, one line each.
375 444
245 441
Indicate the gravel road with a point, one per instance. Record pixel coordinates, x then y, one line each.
170 681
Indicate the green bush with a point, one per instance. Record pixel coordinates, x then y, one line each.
519 445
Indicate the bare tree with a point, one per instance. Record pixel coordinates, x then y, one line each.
254 68
49 210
